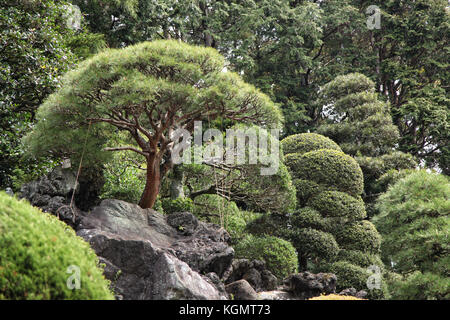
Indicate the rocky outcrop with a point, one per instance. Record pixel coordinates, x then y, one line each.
352 292
254 272
241 290
306 285
152 256
52 193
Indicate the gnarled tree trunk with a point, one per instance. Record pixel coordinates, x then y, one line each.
152 184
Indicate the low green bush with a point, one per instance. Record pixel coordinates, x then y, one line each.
177 205
279 255
359 258
269 225
36 250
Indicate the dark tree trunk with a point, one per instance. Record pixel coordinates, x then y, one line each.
151 189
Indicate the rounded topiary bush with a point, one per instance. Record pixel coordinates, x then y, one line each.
361 235
279 255
349 275
307 217
311 243
36 250
305 142
331 168
338 204
307 189
359 258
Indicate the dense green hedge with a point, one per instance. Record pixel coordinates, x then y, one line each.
36 250
306 142
279 255
331 168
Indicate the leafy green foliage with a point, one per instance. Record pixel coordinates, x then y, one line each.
361 235
358 122
37 46
123 180
279 254
36 250
315 244
338 204
421 286
330 168
414 223
305 142
177 205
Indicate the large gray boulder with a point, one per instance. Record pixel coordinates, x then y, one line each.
152 256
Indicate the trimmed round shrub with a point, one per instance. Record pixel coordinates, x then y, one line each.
177 205
307 189
359 258
307 217
338 204
352 276
361 235
312 243
36 253
331 168
349 275
279 255
305 142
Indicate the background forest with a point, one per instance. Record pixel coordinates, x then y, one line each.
363 180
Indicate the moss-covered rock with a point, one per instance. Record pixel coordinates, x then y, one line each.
37 252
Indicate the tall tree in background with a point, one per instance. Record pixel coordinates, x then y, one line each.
38 43
362 126
147 91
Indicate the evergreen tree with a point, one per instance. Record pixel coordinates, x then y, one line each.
146 91
362 126
415 226
329 229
